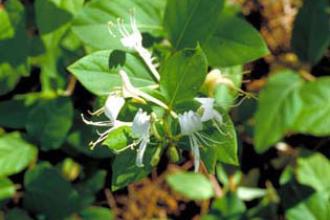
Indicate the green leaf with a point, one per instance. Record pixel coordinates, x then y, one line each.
13 65
15 154
228 207
48 193
119 138
310 171
91 24
194 186
314 115
223 147
125 171
81 136
234 42
279 105
191 21
17 214
311 32
14 113
182 75
7 188
94 73
6 29
96 213
316 207
50 121
49 17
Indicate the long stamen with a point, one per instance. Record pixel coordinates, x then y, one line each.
110 26
100 124
97 112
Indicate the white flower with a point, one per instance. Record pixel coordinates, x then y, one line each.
209 113
113 105
129 91
141 131
191 125
133 40
111 109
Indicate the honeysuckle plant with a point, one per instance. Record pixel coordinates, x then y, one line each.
162 77
189 121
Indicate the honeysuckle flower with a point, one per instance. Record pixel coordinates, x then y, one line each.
133 40
209 113
191 125
129 91
141 131
111 109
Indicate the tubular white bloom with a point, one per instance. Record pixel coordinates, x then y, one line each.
129 91
191 124
209 113
141 131
133 41
111 109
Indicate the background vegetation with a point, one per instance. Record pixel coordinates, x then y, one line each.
58 60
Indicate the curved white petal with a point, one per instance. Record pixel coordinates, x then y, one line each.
141 124
140 153
113 105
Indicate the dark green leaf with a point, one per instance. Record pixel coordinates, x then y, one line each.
14 113
234 42
182 75
191 21
91 23
17 214
48 193
49 17
311 32
125 171
50 121
194 186
15 154
94 73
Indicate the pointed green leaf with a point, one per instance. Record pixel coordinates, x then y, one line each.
191 21
94 73
234 42
182 75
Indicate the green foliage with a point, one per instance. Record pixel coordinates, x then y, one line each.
15 154
311 33
50 121
43 194
91 23
94 73
164 79
288 103
194 186
182 75
234 42
188 21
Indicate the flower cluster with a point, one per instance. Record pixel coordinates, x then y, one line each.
191 123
